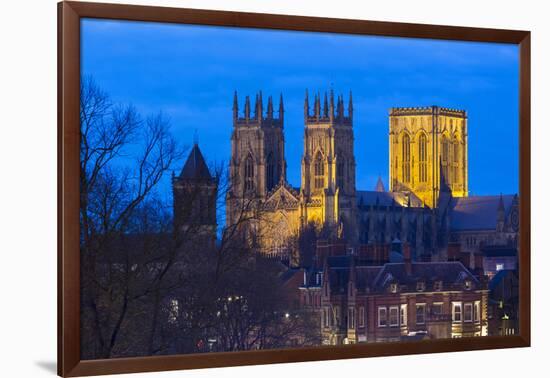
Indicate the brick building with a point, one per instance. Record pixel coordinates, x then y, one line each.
364 297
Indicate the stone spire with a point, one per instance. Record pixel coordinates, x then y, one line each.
379 185
258 111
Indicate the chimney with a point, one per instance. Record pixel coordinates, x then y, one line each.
321 252
407 258
478 265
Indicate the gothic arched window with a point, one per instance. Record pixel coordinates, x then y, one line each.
406 153
270 172
445 159
249 173
455 159
340 171
319 171
423 158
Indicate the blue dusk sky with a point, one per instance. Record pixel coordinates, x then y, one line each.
190 73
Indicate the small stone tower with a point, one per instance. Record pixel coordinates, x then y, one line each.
429 152
195 194
328 163
257 154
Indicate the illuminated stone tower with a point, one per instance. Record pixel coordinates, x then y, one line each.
429 152
328 163
257 154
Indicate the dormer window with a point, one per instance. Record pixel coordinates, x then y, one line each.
393 288
468 285
420 286
438 285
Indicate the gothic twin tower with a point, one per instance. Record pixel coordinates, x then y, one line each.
428 165
258 165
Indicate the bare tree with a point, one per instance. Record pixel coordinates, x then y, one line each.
149 283
113 192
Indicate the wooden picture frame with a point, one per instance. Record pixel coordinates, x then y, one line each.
69 16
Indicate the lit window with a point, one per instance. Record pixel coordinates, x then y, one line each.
468 285
468 312
393 288
500 267
361 321
477 312
382 317
403 314
394 316
174 311
351 318
457 312
421 313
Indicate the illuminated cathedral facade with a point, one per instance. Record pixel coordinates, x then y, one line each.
427 205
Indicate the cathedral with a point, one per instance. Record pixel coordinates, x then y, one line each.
427 204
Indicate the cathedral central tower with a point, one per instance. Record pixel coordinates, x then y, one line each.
429 152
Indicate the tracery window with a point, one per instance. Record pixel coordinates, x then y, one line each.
270 172
249 173
340 171
423 158
406 153
319 171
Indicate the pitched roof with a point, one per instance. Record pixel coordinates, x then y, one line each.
370 198
449 273
195 167
477 212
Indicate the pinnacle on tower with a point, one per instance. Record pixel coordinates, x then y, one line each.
281 108
270 107
325 107
235 106
379 185
350 106
500 209
259 106
331 104
339 106
306 106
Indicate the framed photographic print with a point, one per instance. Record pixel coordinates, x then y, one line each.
239 188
